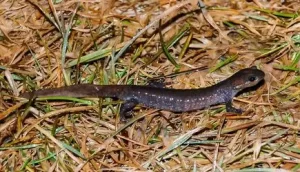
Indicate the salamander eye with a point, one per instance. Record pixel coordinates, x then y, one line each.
252 78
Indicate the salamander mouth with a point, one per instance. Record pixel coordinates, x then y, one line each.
247 84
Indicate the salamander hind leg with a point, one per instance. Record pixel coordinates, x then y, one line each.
126 109
230 108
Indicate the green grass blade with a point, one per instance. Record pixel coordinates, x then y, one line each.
21 147
294 81
66 35
273 50
286 68
75 151
257 17
278 14
86 102
176 143
185 46
51 155
239 31
171 42
223 63
45 14
92 56
26 162
164 48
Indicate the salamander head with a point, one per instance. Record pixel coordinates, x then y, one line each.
246 78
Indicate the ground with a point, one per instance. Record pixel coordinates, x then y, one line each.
191 44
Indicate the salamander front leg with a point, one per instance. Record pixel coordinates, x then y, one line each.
157 83
126 109
230 108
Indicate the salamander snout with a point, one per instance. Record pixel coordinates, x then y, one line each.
246 78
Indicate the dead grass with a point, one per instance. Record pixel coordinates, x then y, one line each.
47 44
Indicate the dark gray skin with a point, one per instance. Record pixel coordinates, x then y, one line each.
176 100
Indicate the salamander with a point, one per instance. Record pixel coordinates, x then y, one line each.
176 100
